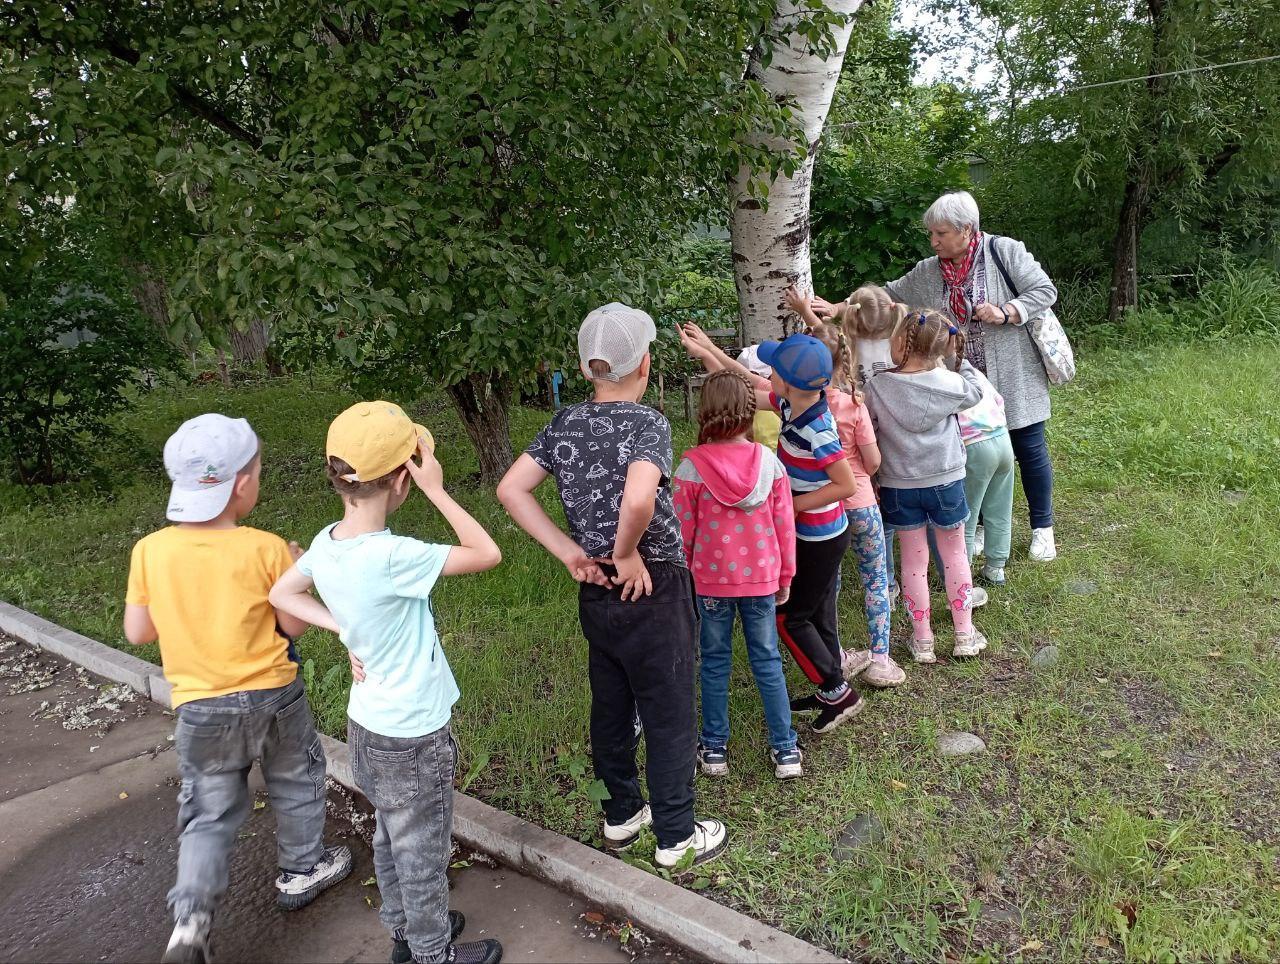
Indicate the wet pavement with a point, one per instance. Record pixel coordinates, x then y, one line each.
88 847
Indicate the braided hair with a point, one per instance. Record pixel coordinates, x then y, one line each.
727 407
844 356
929 336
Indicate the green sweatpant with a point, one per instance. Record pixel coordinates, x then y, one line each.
988 488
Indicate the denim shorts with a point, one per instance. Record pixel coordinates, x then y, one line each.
941 506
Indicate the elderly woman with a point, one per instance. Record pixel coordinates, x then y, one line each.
965 281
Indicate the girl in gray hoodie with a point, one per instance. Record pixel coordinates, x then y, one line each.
922 468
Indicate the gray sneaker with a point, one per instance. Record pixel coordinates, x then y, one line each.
294 891
970 645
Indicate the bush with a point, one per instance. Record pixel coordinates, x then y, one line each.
73 346
1240 299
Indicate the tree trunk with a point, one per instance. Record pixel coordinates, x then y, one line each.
1124 252
481 401
771 243
249 346
1139 179
151 293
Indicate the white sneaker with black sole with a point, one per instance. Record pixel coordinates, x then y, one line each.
706 841
620 836
294 891
189 943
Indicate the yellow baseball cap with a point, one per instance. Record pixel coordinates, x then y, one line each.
374 438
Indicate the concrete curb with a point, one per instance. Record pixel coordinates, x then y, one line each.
662 909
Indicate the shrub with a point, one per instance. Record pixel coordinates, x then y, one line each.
73 346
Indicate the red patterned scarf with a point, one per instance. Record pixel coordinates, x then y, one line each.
964 291
956 277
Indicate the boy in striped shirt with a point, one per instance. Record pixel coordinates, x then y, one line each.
821 479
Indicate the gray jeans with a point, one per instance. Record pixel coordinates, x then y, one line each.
409 781
218 739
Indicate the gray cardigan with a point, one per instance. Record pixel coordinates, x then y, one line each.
1013 361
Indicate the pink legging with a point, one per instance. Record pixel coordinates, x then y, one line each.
956 573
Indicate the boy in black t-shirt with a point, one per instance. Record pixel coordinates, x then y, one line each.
611 458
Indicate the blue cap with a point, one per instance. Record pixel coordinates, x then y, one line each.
801 361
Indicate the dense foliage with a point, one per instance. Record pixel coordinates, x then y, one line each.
75 348
449 184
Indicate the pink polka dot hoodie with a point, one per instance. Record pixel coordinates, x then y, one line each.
733 501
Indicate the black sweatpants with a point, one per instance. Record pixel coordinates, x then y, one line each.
807 623
641 657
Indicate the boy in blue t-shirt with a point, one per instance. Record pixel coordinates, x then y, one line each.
377 588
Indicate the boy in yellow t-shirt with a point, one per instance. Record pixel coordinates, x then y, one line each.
200 587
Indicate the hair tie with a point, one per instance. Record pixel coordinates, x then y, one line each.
857 306
953 330
922 319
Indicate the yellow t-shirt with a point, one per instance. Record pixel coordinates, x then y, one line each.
207 590
766 428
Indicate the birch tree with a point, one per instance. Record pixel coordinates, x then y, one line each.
769 217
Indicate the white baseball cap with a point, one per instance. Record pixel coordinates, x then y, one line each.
617 335
749 358
202 458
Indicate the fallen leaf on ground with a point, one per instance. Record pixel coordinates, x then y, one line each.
1128 909
594 916
1109 754
123 795
1030 946
368 881
259 805
897 784
1214 654
1101 941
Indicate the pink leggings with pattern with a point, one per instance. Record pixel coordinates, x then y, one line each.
956 574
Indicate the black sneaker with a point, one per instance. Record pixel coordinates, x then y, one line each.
400 953
189 943
474 952
805 704
713 760
294 891
832 714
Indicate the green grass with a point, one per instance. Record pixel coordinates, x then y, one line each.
1126 805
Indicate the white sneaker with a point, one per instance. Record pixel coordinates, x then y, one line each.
620 836
979 541
1043 548
922 650
978 597
994 575
706 841
972 646
189 943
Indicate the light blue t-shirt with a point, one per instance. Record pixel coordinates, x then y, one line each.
378 587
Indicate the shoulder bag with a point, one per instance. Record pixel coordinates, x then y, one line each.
1045 332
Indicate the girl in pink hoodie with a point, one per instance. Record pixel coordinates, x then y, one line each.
733 499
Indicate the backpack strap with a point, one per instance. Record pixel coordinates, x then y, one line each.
999 261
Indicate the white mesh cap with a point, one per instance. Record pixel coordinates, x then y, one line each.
617 335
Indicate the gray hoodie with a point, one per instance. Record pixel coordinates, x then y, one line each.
916 428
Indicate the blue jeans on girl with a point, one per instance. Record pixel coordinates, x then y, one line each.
760 627
872 552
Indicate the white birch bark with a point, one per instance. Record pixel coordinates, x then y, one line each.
771 246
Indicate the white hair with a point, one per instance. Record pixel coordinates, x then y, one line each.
957 209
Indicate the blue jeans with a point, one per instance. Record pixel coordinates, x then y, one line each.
1032 452
218 739
760 627
941 506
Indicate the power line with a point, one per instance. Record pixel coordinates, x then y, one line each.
1168 73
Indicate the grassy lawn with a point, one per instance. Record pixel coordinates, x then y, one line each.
1126 806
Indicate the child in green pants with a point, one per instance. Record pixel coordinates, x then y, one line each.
988 481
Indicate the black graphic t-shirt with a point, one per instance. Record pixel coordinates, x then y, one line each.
588 448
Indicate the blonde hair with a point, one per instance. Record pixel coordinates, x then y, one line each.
870 313
929 335
726 408
844 355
